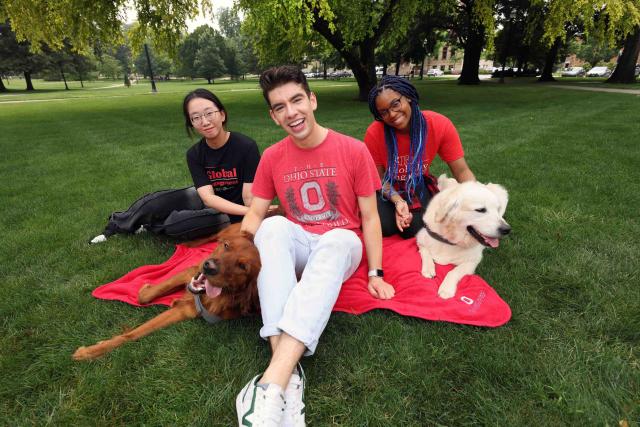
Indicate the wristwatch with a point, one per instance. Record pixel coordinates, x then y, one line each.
377 272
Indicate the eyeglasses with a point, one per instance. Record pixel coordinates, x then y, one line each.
395 106
197 119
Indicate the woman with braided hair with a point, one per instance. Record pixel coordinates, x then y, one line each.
403 141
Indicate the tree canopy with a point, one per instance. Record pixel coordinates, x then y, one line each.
354 28
83 23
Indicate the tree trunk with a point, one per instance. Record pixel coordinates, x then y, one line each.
64 79
27 79
549 62
625 70
364 73
324 70
361 56
2 86
472 53
398 64
422 68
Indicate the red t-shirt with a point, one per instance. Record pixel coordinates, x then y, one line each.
442 138
318 187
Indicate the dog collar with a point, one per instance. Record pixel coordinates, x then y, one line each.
436 236
204 313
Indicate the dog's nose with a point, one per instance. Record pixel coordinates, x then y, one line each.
504 230
210 268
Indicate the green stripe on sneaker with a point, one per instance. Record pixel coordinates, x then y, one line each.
245 421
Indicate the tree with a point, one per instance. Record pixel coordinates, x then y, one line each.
208 62
431 28
354 28
161 64
201 54
110 67
237 55
123 55
625 68
604 21
550 60
16 56
83 23
82 64
593 51
228 22
187 51
59 60
474 18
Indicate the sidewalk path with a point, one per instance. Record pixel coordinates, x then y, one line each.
599 89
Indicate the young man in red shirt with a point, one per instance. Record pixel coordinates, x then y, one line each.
327 184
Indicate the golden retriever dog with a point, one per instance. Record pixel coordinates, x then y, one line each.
460 221
224 286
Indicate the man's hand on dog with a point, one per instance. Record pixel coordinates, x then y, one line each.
380 289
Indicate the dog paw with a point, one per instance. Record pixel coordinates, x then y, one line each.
447 290
428 269
428 273
82 353
144 294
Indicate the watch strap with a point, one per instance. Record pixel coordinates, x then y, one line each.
376 272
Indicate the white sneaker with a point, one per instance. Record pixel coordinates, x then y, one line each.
140 230
260 405
294 395
98 239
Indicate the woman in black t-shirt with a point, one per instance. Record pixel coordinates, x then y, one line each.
222 165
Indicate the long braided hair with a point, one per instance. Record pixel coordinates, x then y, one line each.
417 136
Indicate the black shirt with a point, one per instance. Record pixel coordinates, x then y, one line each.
227 168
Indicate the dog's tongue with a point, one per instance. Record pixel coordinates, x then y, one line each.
492 241
212 291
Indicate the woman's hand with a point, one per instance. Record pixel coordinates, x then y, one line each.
403 215
380 289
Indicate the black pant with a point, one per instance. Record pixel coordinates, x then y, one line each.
387 212
175 213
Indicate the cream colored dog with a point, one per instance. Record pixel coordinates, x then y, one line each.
460 221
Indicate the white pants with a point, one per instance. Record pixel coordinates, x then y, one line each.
301 308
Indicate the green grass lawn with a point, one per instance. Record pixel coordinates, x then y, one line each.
569 271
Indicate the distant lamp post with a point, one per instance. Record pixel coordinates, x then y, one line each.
153 82
511 15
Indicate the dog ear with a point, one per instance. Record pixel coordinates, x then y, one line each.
247 235
228 231
447 209
503 196
250 301
445 182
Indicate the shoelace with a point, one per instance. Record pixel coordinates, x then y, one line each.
294 399
272 405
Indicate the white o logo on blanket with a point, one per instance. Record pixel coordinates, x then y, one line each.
304 192
466 300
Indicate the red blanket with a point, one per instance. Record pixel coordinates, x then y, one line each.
475 303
